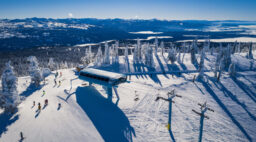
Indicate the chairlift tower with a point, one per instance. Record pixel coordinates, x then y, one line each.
171 95
203 108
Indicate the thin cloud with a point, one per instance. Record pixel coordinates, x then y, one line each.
70 15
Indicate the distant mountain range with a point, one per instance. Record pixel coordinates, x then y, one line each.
16 34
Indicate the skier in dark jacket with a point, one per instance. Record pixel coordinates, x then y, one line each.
46 102
21 136
39 106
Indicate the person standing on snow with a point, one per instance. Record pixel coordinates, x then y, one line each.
46 102
60 74
59 105
55 81
59 83
39 106
21 136
43 92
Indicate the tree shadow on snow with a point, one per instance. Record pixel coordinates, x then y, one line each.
235 99
245 88
140 68
107 118
30 90
161 65
154 77
6 120
172 67
225 109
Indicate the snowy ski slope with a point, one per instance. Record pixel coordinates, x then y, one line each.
86 114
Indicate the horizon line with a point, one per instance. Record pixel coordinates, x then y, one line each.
110 18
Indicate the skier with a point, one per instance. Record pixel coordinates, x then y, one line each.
43 92
60 74
21 136
55 82
59 83
46 102
34 103
59 105
56 75
39 106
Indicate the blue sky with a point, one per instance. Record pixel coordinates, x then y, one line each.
131 9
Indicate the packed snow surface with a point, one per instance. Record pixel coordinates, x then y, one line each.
87 115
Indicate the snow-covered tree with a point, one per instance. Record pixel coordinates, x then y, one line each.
172 55
34 70
98 58
193 52
221 67
227 56
162 48
218 60
207 45
115 56
178 57
86 58
149 61
135 55
90 53
201 64
51 64
126 52
250 55
239 47
184 47
139 50
156 45
232 70
106 54
9 97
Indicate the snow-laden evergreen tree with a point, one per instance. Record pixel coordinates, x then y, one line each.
51 64
162 48
193 52
86 58
172 55
218 59
178 58
139 51
239 47
90 54
156 45
201 64
149 61
34 70
221 67
126 52
234 49
115 56
98 58
9 96
207 45
232 70
106 54
227 56
184 46
250 55
135 55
